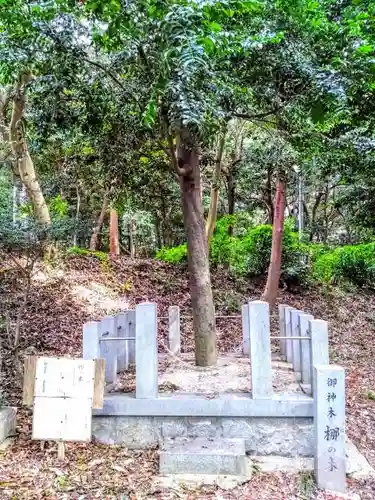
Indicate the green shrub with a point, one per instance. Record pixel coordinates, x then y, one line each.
102 256
222 245
353 264
173 255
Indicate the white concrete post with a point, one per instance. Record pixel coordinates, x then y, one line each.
296 343
304 330
288 333
108 349
90 340
174 336
329 426
131 333
319 345
245 330
282 329
146 351
260 349
122 348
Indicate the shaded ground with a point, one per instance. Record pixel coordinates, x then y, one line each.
62 300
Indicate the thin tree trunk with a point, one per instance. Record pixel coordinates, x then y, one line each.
231 198
313 215
94 240
78 207
114 247
268 197
212 213
272 286
199 272
131 238
24 163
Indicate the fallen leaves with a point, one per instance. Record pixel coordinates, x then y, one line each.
52 325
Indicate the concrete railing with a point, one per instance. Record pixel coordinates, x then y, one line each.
303 341
131 337
113 339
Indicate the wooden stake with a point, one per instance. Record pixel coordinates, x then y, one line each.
29 380
61 450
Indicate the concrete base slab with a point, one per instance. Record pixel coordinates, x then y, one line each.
192 456
356 464
176 481
357 467
281 464
6 444
7 423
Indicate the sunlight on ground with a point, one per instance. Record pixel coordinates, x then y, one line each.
98 297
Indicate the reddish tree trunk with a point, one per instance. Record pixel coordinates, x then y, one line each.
114 247
199 271
94 240
272 286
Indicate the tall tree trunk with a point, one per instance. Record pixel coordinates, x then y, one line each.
78 207
24 163
231 197
114 246
94 240
272 286
318 199
212 213
131 238
199 272
268 196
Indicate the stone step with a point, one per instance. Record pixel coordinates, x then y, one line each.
203 456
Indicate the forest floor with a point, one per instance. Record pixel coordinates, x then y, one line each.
63 298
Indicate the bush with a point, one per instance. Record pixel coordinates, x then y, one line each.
353 264
173 255
248 252
223 245
83 252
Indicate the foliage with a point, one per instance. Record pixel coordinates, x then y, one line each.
248 253
173 255
101 256
351 264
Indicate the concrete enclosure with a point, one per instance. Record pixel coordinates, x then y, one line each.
265 422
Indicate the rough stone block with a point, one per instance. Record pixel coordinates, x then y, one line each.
173 429
272 436
134 433
202 428
192 456
7 423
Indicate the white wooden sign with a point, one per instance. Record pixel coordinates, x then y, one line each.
63 399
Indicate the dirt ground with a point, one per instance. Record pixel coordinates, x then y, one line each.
64 297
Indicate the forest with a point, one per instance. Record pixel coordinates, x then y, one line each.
230 138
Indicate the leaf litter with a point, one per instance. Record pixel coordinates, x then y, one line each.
52 325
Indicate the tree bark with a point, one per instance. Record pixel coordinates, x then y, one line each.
215 189
131 238
114 247
78 207
188 169
94 240
318 199
268 196
272 286
24 163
